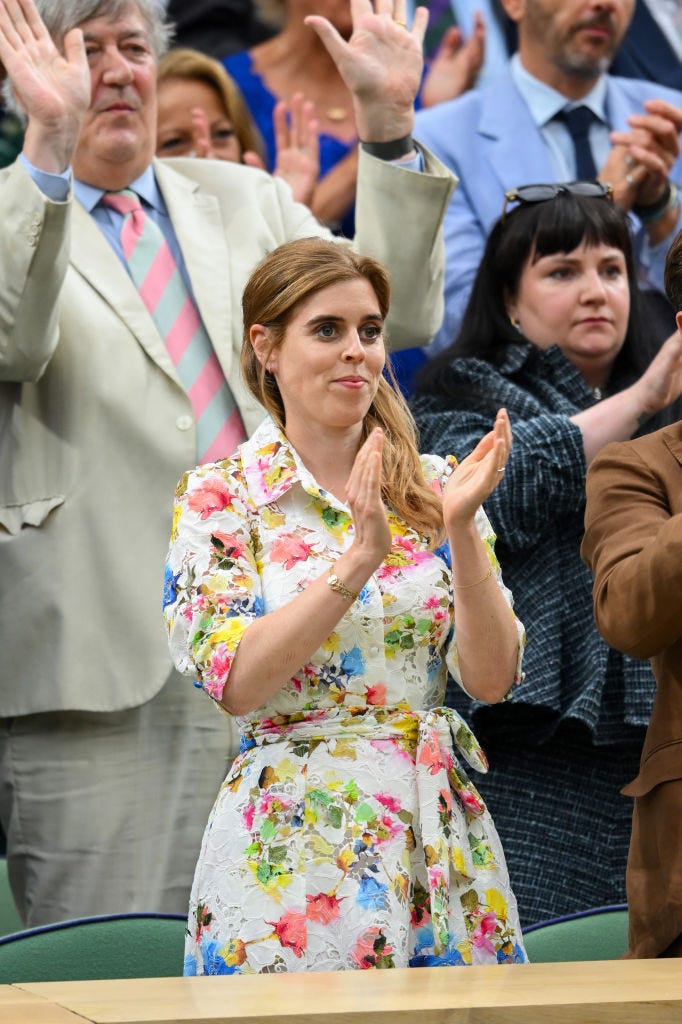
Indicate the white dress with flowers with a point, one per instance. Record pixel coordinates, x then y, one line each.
347 833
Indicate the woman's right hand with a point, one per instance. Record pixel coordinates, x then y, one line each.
661 382
363 495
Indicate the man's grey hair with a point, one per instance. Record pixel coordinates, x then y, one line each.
60 16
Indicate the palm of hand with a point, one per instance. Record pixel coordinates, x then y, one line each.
381 55
48 85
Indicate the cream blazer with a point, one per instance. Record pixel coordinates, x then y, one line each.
95 429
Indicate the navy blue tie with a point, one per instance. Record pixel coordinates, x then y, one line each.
578 122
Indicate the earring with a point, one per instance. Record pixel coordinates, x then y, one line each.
516 324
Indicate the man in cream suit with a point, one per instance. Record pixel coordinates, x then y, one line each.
109 761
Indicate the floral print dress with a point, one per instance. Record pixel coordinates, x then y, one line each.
347 833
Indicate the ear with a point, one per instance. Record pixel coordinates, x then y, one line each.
678 321
514 8
261 340
511 307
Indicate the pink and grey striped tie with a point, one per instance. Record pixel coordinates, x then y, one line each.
162 289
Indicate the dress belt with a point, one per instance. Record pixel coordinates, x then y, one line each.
433 736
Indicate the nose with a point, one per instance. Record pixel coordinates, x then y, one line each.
116 69
594 289
353 351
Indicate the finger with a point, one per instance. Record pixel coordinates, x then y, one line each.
664 132
253 159
74 46
330 38
201 133
665 109
280 127
420 23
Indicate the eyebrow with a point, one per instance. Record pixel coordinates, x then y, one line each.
335 319
135 33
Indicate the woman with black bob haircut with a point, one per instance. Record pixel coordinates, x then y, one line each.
553 334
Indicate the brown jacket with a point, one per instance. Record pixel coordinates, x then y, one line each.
633 544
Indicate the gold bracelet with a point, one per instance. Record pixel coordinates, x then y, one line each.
465 586
340 588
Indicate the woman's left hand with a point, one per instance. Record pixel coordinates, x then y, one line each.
477 476
381 64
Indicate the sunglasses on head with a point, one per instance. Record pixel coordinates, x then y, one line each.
541 193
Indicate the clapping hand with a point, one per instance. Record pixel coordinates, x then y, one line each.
363 495
644 155
381 64
477 476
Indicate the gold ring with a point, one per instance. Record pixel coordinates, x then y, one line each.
400 21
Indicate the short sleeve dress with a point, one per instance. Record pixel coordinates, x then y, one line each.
347 833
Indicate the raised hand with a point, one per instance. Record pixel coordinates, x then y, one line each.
381 64
52 88
455 65
363 494
297 146
477 476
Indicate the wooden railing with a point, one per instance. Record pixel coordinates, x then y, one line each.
596 992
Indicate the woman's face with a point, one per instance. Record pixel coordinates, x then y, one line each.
580 301
176 132
330 361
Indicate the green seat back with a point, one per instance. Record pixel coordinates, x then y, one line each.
595 935
9 915
120 946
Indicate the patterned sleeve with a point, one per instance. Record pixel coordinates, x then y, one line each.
212 586
437 472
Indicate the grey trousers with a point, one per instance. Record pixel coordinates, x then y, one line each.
104 812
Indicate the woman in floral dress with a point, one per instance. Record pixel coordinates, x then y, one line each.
320 582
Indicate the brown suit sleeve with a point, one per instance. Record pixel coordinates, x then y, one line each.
633 544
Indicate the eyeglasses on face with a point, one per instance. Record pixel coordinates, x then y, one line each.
541 193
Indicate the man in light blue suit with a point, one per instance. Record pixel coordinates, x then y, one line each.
508 134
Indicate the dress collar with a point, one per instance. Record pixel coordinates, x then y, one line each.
272 466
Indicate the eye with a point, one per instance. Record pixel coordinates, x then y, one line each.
371 332
613 271
138 51
222 135
561 273
176 145
327 331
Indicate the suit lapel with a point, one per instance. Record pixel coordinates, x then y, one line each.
511 141
197 220
93 258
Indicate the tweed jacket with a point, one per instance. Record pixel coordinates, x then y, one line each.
537 514
95 429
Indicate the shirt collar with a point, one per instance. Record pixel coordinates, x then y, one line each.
545 103
272 466
145 187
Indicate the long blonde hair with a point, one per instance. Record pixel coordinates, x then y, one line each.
279 284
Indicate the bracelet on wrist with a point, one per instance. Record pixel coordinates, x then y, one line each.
669 200
465 586
393 150
339 587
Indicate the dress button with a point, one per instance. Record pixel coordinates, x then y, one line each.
184 422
